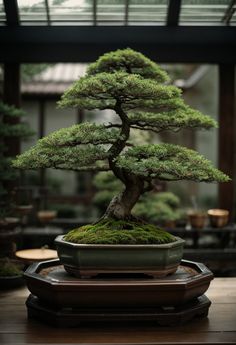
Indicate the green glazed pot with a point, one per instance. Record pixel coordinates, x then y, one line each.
86 260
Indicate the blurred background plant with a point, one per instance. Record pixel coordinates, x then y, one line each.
161 208
7 173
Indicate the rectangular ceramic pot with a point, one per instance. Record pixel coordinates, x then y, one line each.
84 260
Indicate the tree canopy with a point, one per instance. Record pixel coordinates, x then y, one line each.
137 90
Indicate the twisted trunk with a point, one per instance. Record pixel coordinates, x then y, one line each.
121 205
119 145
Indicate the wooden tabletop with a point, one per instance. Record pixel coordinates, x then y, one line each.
219 327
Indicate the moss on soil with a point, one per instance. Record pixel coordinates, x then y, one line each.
110 231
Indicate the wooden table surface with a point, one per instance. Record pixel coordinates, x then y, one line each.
219 327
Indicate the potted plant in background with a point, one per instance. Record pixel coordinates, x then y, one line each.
136 89
10 274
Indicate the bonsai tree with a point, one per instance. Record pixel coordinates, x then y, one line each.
137 90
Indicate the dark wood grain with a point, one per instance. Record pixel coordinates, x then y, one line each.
219 327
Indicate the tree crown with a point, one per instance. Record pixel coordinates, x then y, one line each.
135 88
130 61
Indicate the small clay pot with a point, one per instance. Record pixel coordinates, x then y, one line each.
170 224
24 210
46 216
218 218
11 282
197 219
9 223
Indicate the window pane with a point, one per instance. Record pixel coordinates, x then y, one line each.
71 10
233 20
209 12
148 11
2 14
119 12
111 10
33 11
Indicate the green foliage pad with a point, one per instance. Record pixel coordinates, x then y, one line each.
110 231
169 162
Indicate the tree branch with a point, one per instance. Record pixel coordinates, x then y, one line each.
157 129
113 125
84 169
96 142
146 129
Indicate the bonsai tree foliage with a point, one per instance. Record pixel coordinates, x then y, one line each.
137 90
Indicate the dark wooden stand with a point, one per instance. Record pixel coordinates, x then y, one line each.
63 300
71 317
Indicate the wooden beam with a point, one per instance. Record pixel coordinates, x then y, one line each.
11 10
94 12
227 137
173 12
229 12
80 116
87 43
126 12
41 118
42 172
47 12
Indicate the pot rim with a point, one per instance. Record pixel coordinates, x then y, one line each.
11 277
59 239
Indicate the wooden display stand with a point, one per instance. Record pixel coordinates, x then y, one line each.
63 300
72 317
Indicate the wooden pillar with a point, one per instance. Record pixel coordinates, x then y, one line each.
80 116
227 135
11 96
41 118
41 128
81 177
